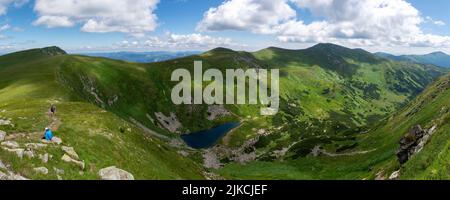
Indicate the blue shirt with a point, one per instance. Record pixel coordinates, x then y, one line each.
48 135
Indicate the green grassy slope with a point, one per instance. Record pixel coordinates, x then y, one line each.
331 86
377 148
329 95
29 84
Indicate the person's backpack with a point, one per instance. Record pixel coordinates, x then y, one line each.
53 109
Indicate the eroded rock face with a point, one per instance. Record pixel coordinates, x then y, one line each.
170 123
413 142
217 111
114 173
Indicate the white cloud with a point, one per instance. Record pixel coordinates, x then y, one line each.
179 41
4 47
5 3
5 27
54 21
135 17
347 22
429 19
255 15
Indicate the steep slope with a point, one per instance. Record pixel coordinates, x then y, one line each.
436 58
374 155
29 85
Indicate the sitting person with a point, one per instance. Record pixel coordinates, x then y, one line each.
48 135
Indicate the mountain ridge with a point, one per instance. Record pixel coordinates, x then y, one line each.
322 104
437 58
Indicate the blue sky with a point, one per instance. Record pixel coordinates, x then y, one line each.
396 26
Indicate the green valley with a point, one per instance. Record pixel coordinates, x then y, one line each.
342 114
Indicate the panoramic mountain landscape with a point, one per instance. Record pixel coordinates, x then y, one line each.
224 90
343 113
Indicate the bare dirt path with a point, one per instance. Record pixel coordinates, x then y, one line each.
54 125
317 151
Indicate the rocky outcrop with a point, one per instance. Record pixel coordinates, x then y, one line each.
5 122
170 123
413 142
114 173
6 174
210 160
71 152
11 176
216 111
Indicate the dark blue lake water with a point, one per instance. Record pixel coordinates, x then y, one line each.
208 138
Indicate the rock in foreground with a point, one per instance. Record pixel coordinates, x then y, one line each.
114 173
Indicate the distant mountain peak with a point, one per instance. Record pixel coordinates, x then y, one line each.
439 53
327 45
53 51
221 50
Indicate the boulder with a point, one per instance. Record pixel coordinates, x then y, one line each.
44 157
5 122
18 152
10 144
41 170
57 140
395 175
58 171
29 153
114 173
2 135
71 152
67 158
